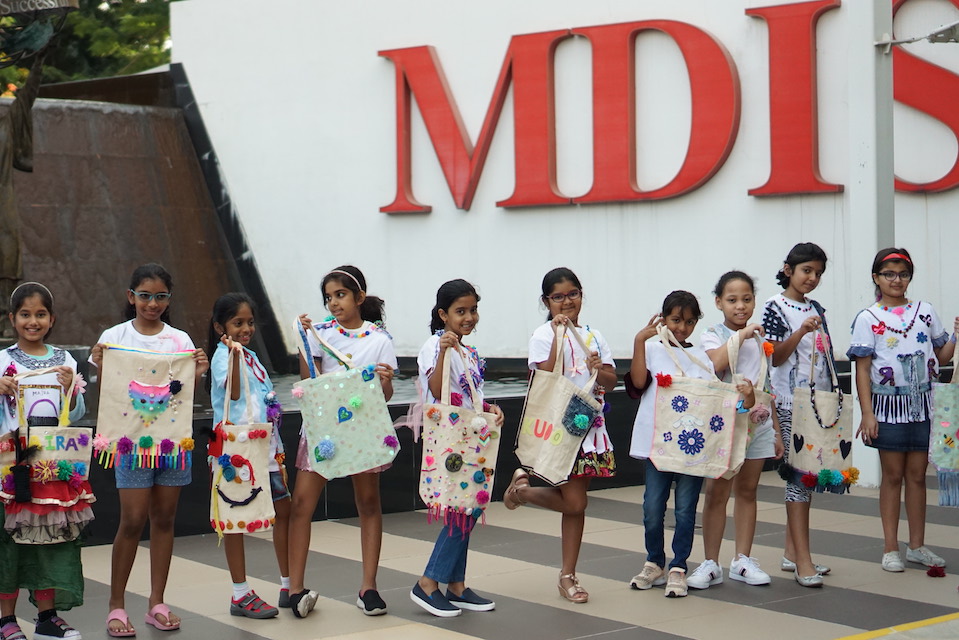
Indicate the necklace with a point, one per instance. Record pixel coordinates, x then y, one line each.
796 306
351 334
900 312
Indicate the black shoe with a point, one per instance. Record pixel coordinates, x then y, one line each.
55 628
303 602
371 603
470 601
436 603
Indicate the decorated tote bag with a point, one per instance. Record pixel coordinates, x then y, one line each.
239 456
822 434
944 435
146 409
460 447
747 420
694 420
557 415
347 425
46 491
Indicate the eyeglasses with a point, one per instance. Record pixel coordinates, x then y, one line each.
558 298
143 296
905 276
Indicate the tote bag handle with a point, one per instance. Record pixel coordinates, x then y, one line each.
329 348
244 392
559 366
812 383
446 384
670 342
732 349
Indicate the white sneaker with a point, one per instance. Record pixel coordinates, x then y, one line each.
705 575
892 561
746 569
923 555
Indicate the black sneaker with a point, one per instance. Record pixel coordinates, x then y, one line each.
284 600
436 603
470 601
371 603
303 602
55 628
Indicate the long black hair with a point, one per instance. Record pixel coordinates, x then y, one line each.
151 271
373 308
446 295
802 252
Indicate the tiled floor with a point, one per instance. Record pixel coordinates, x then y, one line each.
515 560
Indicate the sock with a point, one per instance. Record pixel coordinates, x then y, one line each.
240 589
5 620
43 616
285 582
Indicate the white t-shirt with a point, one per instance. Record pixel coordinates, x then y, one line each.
426 361
748 364
782 316
574 368
40 403
901 342
169 340
658 361
370 344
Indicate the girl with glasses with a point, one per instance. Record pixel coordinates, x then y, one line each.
562 294
898 345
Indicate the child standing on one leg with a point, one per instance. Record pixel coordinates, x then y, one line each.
147 494
898 345
355 328
453 318
562 294
736 298
791 320
51 570
232 327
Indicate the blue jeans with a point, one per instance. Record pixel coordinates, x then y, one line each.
658 485
448 562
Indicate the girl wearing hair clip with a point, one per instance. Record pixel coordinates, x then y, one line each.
50 570
355 328
898 345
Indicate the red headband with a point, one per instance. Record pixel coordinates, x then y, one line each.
896 256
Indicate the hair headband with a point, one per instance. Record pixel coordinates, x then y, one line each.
24 284
351 277
896 256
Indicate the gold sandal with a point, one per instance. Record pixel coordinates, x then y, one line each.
575 593
511 496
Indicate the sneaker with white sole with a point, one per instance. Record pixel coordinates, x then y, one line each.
923 555
55 628
652 575
892 561
790 566
676 583
705 575
746 569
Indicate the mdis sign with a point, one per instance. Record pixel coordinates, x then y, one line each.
529 68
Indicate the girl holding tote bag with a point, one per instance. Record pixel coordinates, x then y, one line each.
898 345
562 294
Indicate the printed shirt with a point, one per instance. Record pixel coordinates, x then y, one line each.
901 342
370 344
426 362
782 316
169 340
14 361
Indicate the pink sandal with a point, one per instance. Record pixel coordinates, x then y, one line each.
161 610
120 615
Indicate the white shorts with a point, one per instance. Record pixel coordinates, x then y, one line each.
763 444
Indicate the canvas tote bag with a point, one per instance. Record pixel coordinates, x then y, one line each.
822 434
944 436
240 497
694 420
760 412
145 418
557 415
347 425
460 448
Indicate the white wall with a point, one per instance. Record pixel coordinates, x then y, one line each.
301 111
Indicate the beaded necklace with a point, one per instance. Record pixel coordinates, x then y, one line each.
789 304
348 333
899 311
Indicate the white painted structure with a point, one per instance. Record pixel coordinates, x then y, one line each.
301 111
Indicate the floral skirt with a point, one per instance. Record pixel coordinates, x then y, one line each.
594 465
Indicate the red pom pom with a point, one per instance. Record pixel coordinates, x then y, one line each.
809 480
664 379
237 460
936 572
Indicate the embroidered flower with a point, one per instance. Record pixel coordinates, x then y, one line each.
664 380
680 404
892 342
667 437
921 337
124 445
716 423
691 442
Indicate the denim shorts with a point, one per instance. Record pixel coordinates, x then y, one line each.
909 436
147 478
278 486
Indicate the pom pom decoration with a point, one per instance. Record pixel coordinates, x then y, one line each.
80 386
581 421
237 460
477 424
186 444
80 467
166 446
124 445
824 478
456 399
809 480
482 497
83 439
243 436
936 572
45 471
224 460
8 486
229 473
145 442
175 386
663 380
851 475
759 414
356 402
64 470
75 480
768 348
479 476
391 441
325 450
297 392
434 414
